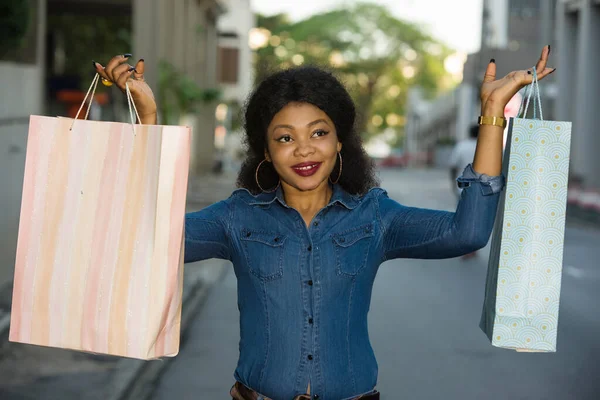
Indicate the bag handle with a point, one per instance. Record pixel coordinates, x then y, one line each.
92 89
532 89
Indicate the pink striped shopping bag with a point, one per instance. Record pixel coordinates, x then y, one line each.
99 262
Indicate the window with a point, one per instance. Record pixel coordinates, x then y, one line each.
228 64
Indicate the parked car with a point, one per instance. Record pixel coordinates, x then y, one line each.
397 158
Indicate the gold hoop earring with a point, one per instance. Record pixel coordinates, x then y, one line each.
258 184
340 173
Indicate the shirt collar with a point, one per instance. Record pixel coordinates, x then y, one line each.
340 196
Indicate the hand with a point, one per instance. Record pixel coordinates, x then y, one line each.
495 94
120 72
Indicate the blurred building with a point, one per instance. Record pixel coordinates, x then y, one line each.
187 33
22 83
429 122
513 33
236 78
578 92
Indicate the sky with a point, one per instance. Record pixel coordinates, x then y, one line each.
454 22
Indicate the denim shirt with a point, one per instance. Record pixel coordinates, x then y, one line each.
304 292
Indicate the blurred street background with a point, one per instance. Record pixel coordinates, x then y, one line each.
414 70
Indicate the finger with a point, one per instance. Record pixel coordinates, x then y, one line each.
123 70
545 73
526 76
100 70
541 64
138 74
124 77
119 70
490 72
113 63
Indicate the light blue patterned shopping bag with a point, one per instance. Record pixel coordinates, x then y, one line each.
523 283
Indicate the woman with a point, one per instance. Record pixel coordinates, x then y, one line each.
308 229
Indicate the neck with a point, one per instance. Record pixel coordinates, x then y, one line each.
307 200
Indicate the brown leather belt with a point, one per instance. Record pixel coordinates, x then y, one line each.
241 392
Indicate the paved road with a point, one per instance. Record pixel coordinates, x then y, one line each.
424 326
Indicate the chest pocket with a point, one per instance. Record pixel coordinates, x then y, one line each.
352 248
264 253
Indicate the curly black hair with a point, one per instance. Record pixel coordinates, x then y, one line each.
319 87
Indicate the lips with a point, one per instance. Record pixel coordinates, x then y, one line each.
306 168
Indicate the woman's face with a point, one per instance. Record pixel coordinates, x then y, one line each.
302 144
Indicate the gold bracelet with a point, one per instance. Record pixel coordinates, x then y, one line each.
496 121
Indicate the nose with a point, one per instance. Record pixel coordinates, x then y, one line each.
304 149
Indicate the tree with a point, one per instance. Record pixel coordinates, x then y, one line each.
15 22
377 55
178 94
89 37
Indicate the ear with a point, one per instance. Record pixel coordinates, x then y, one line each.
339 146
267 157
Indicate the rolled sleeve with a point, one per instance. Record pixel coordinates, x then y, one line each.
489 184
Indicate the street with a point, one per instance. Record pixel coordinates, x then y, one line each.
424 325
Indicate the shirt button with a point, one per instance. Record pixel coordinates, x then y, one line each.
310 321
316 223
316 397
310 357
309 248
310 283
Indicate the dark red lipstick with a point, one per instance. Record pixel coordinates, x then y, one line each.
306 168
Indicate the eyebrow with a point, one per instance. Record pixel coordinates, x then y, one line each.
308 125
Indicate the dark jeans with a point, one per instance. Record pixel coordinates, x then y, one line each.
241 392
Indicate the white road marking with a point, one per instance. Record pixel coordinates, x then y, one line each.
573 271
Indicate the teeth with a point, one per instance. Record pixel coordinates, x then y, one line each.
307 167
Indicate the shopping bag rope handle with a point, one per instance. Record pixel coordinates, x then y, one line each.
92 89
532 89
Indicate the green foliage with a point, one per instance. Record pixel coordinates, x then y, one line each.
166 74
446 141
236 116
378 56
14 23
179 94
90 37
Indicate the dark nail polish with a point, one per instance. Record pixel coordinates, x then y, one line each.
127 55
548 49
141 59
94 63
493 60
553 70
529 72
131 69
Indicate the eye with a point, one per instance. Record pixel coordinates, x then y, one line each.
285 139
320 132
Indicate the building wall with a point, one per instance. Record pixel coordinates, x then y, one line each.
513 33
22 88
234 29
428 121
495 24
577 34
239 19
184 33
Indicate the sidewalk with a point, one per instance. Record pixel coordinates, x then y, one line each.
34 372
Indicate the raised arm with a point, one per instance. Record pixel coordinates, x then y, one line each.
410 232
495 95
420 233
